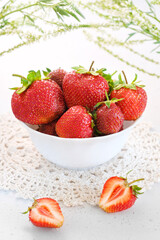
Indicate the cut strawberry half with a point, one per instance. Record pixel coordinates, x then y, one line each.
118 194
46 212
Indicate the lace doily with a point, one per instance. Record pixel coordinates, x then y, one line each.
25 171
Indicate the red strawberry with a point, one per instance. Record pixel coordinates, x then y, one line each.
46 212
49 128
58 76
108 117
134 99
38 101
76 122
118 194
85 88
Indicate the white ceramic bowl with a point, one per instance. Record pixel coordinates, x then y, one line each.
78 153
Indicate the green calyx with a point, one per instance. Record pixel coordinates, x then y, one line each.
108 78
46 72
80 69
27 81
124 83
93 125
108 101
136 190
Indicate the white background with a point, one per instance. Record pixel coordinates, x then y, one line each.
142 221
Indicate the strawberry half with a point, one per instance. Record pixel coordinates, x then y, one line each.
118 194
46 212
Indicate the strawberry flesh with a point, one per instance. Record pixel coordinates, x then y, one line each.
117 192
46 212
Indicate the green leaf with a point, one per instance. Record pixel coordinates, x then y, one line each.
157 42
135 187
45 73
94 73
92 124
131 86
14 88
108 103
31 75
27 16
61 11
119 86
101 71
136 190
26 211
77 11
114 100
94 114
120 79
73 15
130 35
38 75
66 9
141 86
48 70
135 78
80 69
113 73
98 104
24 81
22 89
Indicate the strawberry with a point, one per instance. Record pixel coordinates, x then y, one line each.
45 212
134 98
37 101
76 122
57 75
118 195
49 128
108 116
85 88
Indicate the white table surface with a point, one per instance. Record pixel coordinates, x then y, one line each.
142 221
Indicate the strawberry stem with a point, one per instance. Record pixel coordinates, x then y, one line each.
141 179
106 95
30 208
125 77
90 69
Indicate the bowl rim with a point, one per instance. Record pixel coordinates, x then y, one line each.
84 139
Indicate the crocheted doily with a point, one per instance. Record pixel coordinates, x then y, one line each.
25 171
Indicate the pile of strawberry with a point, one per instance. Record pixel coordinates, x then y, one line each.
79 104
